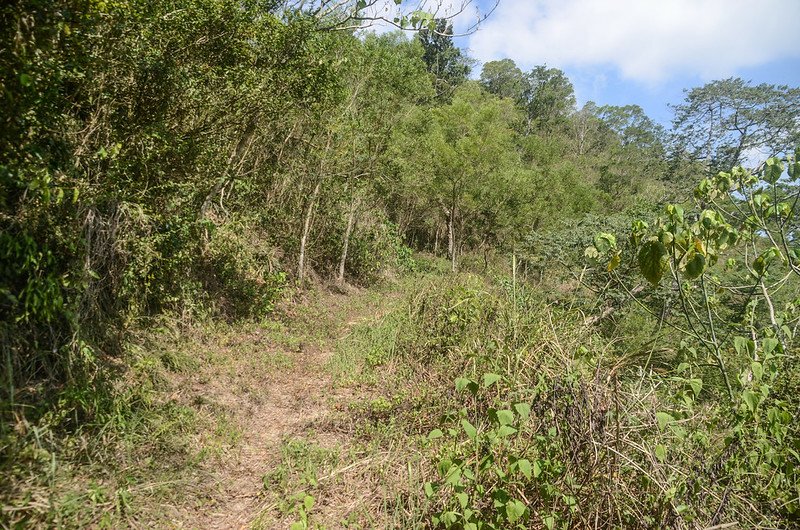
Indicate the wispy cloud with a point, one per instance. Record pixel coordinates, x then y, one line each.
645 40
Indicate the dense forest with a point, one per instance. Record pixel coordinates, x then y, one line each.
592 314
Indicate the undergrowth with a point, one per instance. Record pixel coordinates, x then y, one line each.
474 403
82 460
518 415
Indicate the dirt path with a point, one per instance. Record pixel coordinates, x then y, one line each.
287 406
262 388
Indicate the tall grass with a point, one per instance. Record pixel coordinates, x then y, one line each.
527 418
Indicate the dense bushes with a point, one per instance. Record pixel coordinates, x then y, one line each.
155 158
159 159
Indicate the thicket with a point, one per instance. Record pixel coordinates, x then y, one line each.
191 159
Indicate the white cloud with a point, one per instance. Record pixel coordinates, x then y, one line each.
645 40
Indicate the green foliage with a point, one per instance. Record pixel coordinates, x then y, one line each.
748 219
546 428
548 98
487 462
744 118
201 162
155 162
377 249
466 173
446 63
242 274
653 260
296 479
502 78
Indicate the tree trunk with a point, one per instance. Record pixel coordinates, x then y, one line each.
451 230
710 141
451 239
739 148
301 261
234 163
351 217
436 241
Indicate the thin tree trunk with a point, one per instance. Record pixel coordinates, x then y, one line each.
234 163
436 241
451 238
739 148
351 217
709 143
301 262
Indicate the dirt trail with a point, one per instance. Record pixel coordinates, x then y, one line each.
265 395
288 406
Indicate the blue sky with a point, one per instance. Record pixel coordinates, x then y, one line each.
605 86
643 52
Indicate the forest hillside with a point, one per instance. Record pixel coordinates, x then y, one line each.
261 268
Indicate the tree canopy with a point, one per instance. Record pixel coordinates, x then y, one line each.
444 60
725 122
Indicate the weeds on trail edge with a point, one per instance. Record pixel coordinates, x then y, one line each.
489 465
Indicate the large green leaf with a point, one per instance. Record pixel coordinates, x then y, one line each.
505 430
744 346
757 369
525 467
675 211
763 261
653 261
514 510
436 433
489 379
695 264
505 417
604 242
769 345
453 476
463 499
464 383
308 502
773 170
470 429
663 419
614 262
428 489
523 409
751 399
696 384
